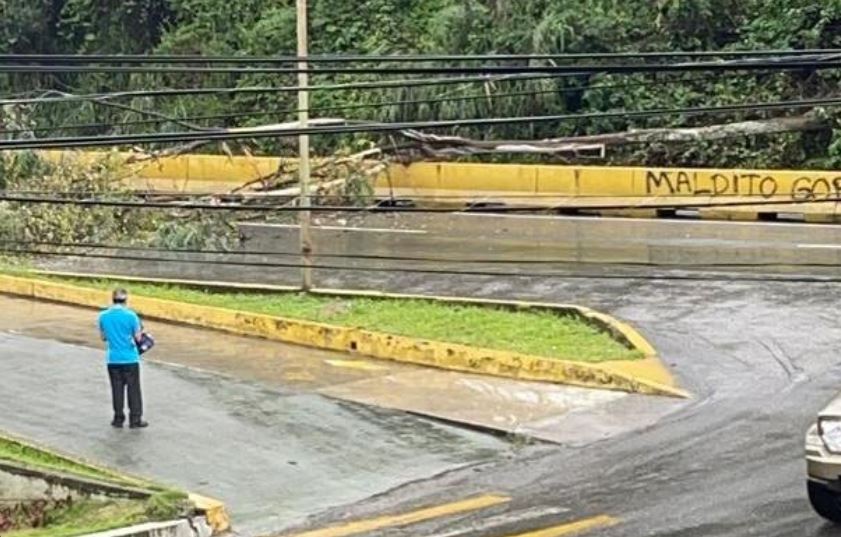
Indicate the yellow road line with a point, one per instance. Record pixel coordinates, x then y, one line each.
405 519
571 528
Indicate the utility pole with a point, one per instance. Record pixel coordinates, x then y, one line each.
304 149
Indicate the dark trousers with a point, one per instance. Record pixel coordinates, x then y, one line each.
126 378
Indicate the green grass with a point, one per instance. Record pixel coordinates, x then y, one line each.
530 332
91 516
87 517
36 458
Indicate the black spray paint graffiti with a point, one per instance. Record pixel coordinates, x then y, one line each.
740 184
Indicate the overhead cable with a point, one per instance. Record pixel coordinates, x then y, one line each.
432 271
807 63
398 58
370 128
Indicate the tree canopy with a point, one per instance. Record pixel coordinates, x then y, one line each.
267 27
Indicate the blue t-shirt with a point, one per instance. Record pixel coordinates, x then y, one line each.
119 325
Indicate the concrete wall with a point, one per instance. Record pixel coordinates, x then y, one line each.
186 172
29 484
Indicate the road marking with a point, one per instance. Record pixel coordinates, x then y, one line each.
356 364
300 376
821 246
405 519
572 528
487 523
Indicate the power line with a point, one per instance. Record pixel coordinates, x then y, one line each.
475 198
831 62
399 58
422 259
362 106
440 272
270 132
180 92
473 207
380 104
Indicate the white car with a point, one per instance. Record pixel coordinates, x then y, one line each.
823 462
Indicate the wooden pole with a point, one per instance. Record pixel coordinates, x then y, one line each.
304 149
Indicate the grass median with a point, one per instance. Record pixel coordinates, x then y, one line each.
542 333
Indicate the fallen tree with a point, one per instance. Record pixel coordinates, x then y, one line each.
436 146
348 178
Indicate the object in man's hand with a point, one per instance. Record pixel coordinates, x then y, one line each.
146 343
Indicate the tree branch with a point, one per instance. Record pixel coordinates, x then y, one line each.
450 146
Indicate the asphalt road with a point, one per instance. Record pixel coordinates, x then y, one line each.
760 357
275 451
365 250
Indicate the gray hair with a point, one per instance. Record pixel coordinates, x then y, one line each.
119 296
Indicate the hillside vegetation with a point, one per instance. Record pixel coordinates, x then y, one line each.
267 27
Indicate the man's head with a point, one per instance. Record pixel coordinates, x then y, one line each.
119 296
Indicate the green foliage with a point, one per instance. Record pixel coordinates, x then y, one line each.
27 172
84 517
168 505
28 26
18 453
267 27
94 26
795 24
198 231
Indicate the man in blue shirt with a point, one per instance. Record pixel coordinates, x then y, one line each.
121 330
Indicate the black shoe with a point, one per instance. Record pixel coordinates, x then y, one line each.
139 425
117 424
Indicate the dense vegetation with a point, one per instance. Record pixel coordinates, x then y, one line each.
267 27
24 224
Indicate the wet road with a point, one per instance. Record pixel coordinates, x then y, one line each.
367 249
274 451
761 358
272 429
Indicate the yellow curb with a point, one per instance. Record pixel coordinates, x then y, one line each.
615 376
214 512
649 371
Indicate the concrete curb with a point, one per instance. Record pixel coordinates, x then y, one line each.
85 485
121 480
215 512
124 485
175 528
647 376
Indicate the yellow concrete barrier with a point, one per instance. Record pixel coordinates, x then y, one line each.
647 376
214 511
576 186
